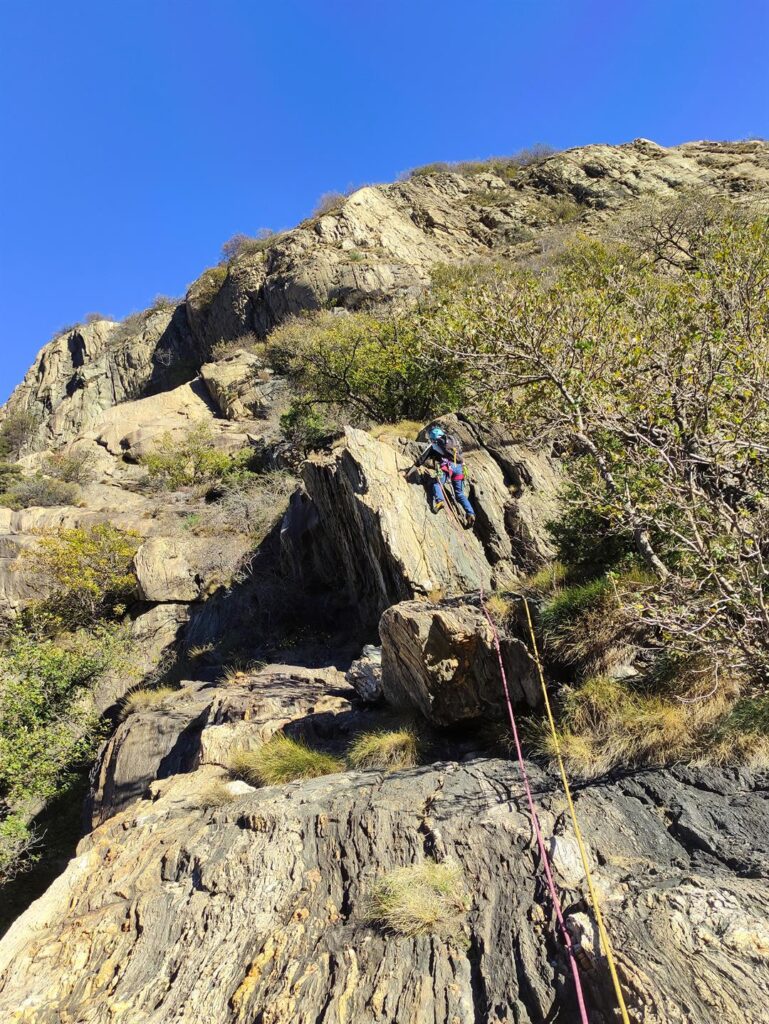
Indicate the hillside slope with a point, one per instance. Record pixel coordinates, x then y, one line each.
311 595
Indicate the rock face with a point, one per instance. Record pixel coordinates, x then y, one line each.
391 547
440 659
202 724
254 908
378 244
382 241
97 365
197 898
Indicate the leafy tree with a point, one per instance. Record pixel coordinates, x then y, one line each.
656 378
16 431
376 367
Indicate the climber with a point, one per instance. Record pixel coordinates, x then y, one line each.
445 453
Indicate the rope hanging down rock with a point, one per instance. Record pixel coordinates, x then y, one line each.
545 859
605 940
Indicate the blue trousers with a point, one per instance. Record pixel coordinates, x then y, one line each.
457 484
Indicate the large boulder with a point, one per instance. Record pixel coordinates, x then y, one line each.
189 906
242 386
441 660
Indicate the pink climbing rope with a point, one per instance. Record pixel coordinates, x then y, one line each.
529 795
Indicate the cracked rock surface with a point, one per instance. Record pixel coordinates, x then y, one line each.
255 910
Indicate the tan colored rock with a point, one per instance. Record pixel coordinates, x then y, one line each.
172 568
440 659
388 544
242 387
101 364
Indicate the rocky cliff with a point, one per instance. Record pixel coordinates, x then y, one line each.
379 243
212 902
193 895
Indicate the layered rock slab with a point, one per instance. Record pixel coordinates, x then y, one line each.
255 910
388 544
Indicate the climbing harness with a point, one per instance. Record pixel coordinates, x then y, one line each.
576 954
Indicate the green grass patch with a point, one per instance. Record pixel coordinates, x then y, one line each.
281 760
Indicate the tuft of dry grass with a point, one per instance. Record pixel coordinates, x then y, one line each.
499 607
422 899
144 698
281 760
605 724
385 750
216 794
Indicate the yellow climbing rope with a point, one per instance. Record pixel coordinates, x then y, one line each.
577 831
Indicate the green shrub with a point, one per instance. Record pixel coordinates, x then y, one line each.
423 899
49 728
88 572
17 429
567 604
388 750
191 459
376 367
74 466
9 475
306 427
17 844
282 760
38 491
47 719
203 291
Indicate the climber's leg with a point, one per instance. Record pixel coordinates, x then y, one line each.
459 491
438 501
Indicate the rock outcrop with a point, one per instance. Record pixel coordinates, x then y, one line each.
389 546
249 906
376 245
198 898
441 659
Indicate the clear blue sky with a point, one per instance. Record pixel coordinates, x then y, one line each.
138 135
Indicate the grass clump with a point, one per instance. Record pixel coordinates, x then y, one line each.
281 760
499 608
386 750
143 699
422 899
216 794
407 429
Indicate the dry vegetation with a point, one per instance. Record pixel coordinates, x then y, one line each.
422 899
144 698
386 750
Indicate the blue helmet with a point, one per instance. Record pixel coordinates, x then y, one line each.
436 433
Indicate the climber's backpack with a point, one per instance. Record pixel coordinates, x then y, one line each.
453 446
